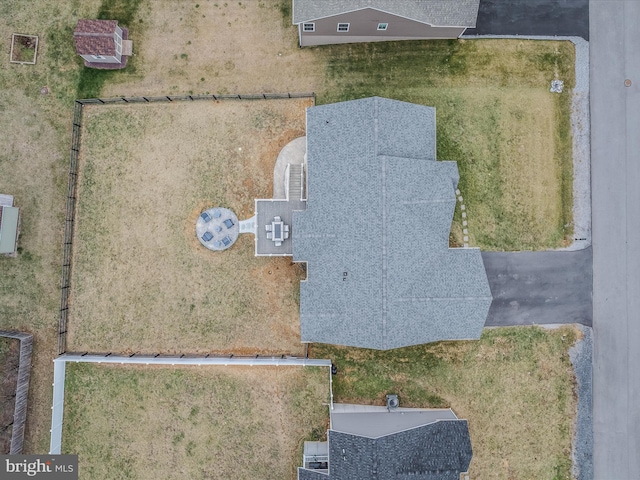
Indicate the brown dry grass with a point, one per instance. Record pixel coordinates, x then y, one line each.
141 280
200 422
218 47
34 154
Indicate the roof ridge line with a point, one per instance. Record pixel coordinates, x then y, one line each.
429 299
383 185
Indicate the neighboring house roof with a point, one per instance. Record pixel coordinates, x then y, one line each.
434 449
374 421
458 13
375 234
95 37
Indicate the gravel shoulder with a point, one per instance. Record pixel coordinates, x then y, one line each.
582 448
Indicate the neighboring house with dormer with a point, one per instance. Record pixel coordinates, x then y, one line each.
351 21
378 443
9 226
102 43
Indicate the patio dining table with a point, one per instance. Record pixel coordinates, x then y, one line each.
277 231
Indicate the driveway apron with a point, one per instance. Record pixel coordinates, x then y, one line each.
548 287
532 17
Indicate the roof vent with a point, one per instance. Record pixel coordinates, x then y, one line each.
392 402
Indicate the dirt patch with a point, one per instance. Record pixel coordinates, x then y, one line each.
146 173
211 422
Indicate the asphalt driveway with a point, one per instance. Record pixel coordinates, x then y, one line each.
539 287
533 17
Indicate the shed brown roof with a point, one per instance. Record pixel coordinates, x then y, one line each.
95 37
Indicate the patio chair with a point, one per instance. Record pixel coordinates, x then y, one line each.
207 236
278 244
286 234
226 240
269 236
267 227
205 216
229 223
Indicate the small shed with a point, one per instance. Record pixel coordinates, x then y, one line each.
9 226
102 43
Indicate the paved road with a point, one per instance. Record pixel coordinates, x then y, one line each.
539 287
615 167
533 17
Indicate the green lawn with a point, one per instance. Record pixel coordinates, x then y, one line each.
514 385
495 116
207 422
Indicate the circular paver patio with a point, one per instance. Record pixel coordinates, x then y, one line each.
217 228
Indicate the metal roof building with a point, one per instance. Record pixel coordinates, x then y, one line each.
9 225
380 273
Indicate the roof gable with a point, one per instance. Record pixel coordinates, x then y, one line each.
459 13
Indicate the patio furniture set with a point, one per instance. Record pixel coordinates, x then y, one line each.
208 236
277 231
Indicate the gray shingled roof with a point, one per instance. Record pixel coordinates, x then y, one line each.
380 273
437 451
455 13
371 421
